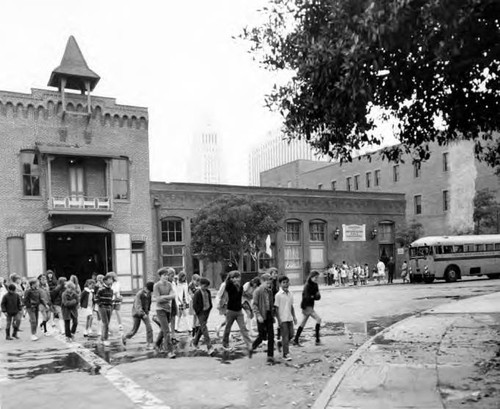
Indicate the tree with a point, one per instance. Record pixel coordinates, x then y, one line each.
486 214
431 66
409 233
231 226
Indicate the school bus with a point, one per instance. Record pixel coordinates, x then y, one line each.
452 257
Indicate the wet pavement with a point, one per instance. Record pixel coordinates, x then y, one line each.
98 376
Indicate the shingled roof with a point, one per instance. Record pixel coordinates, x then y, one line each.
74 68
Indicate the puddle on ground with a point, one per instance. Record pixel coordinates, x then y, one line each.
28 365
369 328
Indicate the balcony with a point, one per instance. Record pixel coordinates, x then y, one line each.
80 205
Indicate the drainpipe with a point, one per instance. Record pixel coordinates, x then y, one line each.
157 207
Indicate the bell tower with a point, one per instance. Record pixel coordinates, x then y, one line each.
74 73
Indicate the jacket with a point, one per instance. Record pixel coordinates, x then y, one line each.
69 304
198 301
11 303
33 298
263 297
86 298
142 303
310 294
55 294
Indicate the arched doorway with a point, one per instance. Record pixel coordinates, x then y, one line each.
79 249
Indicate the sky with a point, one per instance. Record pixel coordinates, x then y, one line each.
179 59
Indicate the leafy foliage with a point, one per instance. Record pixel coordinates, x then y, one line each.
231 226
407 234
486 212
431 66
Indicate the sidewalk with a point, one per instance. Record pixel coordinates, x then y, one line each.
446 357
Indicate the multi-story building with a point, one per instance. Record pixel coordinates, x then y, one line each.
319 228
276 151
75 180
205 164
439 193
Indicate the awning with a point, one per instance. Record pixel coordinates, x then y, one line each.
76 150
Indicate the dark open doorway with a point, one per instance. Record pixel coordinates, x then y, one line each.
81 254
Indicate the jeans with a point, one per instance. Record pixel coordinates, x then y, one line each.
237 316
266 331
203 330
14 320
137 324
105 313
33 314
163 320
286 335
67 331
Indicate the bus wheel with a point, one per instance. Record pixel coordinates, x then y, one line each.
452 273
493 276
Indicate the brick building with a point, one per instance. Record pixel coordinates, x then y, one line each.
439 193
75 183
319 227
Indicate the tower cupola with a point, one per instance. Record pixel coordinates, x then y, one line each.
74 73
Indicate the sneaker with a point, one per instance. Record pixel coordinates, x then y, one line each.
280 344
8 338
287 357
124 340
69 339
270 360
228 349
211 351
318 342
34 338
47 334
171 355
250 352
106 343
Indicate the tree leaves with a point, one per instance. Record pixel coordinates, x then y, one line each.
433 65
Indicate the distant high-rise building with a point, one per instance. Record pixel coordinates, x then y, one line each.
205 163
276 151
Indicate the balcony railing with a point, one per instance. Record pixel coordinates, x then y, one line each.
80 205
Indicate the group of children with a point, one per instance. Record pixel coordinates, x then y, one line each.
343 274
46 299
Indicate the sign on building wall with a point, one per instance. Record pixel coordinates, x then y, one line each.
353 232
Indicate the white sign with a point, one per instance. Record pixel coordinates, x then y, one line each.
401 251
353 232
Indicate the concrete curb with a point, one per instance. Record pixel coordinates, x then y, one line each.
334 382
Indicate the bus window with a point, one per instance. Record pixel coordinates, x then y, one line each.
458 249
424 251
479 247
469 248
447 249
413 252
438 249
489 247
497 246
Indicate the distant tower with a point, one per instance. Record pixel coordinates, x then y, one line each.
275 151
205 163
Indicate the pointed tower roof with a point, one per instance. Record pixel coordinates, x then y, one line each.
74 68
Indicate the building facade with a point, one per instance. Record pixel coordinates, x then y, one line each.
439 193
319 228
276 151
75 183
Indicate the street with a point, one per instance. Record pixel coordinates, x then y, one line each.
52 373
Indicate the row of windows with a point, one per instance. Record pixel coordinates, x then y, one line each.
417 202
31 176
353 183
316 231
453 249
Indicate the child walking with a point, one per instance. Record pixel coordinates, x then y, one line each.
140 312
69 307
263 305
32 301
310 294
12 307
87 306
202 305
286 315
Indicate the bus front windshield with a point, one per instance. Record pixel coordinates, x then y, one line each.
422 251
